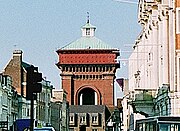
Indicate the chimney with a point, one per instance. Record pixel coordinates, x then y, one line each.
17 54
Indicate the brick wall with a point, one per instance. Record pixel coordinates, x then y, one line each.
66 85
178 3
14 70
87 58
103 86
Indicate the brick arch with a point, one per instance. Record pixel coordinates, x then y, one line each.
88 86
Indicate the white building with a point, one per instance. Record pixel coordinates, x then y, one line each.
8 102
154 73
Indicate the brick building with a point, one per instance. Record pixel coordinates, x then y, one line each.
88 69
16 69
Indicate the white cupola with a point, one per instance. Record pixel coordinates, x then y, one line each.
88 30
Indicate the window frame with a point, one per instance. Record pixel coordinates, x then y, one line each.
178 20
82 119
94 119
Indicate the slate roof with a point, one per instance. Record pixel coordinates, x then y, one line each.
25 65
87 108
87 43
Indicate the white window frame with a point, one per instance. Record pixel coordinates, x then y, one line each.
178 20
71 119
82 119
94 119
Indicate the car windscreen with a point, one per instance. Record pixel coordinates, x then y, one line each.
42 130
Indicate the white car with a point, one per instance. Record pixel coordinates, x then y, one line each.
44 129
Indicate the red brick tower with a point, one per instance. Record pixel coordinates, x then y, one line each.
88 69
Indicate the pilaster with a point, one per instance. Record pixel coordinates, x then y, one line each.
155 70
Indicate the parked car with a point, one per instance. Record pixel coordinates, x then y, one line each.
44 129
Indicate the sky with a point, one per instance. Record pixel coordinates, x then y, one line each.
40 27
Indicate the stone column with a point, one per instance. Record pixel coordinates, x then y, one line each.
165 46
155 70
160 56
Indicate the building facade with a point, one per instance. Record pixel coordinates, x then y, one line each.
154 88
8 102
16 69
89 117
60 111
43 104
88 69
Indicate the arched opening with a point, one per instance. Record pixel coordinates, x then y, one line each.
87 96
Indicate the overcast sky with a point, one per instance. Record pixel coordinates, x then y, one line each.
40 27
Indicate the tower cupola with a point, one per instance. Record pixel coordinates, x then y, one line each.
88 30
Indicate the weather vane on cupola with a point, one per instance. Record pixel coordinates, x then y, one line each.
88 17
88 29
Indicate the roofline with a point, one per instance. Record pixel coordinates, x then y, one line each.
113 49
115 64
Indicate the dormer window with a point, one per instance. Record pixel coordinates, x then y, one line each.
82 119
94 119
72 119
88 32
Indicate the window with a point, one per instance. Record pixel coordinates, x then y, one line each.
94 119
94 129
82 119
28 112
72 121
71 118
88 31
178 21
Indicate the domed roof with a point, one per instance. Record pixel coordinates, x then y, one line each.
87 40
87 43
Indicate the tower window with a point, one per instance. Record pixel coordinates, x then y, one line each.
76 69
88 31
84 69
